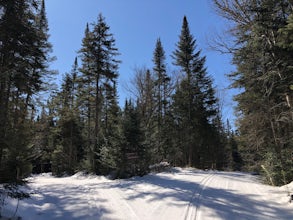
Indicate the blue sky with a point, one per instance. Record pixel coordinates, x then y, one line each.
136 25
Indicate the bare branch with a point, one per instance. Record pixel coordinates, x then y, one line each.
222 43
233 10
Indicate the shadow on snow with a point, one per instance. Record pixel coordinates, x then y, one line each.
225 203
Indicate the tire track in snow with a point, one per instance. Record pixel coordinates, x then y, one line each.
194 203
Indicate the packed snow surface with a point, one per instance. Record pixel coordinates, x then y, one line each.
179 194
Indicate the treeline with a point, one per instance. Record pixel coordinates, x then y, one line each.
172 117
262 51
81 127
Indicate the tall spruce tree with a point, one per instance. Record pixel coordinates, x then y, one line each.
194 102
99 72
86 100
162 93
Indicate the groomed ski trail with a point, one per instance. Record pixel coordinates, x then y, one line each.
182 194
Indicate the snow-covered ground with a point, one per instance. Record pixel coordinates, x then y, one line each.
180 194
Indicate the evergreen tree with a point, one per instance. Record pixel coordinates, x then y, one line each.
44 140
263 61
146 106
86 101
237 161
233 155
24 56
162 91
134 149
194 104
111 134
99 71
68 154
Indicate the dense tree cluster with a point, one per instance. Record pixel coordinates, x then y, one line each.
263 56
168 120
24 60
173 118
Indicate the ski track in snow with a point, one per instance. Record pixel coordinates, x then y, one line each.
194 204
186 194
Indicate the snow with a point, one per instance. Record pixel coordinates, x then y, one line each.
179 194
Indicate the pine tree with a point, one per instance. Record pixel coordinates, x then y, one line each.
194 104
86 100
162 91
99 71
184 56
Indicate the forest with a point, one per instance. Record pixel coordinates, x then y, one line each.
175 119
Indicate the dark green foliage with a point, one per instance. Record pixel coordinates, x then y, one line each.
194 105
274 168
285 35
68 151
24 55
263 56
185 51
234 157
162 96
111 134
134 146
147 111
82 126
98 92
44 141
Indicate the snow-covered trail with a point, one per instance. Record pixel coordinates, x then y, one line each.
182 194
240 196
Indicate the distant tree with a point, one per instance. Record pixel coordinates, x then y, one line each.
43 141
134 150
68 153
237 161
162 96
144 91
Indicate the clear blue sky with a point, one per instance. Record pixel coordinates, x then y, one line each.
136 25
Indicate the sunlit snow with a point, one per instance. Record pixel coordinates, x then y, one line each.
179 194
